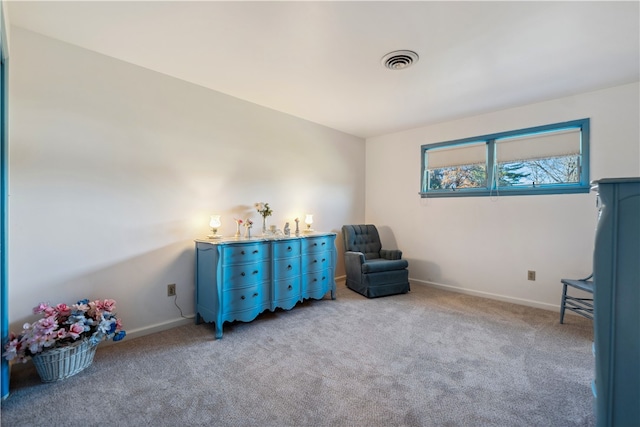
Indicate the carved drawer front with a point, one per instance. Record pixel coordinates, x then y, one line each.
243 275
316 280
286 288
244 253
286 267
286 249
237 279
245 299
316 261
315 244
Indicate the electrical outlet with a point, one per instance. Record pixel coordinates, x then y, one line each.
171 290
531 275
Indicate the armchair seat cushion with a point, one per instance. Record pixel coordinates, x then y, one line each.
380 264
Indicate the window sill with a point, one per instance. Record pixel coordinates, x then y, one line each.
476 192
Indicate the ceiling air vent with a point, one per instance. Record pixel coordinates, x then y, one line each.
399 59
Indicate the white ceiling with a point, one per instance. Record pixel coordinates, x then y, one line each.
321 60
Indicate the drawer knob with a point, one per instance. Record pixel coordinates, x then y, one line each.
289 249
255 271
324 243
315 244
289 267
323 277
242 253
256 251
315 260
290 287
242 297
255 294
324 259
315 279
242 274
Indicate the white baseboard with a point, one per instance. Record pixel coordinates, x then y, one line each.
520 301
151 329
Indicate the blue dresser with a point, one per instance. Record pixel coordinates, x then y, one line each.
237 279
616 267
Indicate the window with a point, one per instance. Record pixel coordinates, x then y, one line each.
550 159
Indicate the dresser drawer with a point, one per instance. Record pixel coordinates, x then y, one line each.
316 280
245 299
243 275
286 288
286 249
316 244
316 261
239 254
286 267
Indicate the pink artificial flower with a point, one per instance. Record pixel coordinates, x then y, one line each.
62 334
118 324
239 221
47 324
75 330
109 305
63 310
40 308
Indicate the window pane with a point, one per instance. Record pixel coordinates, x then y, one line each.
458 166
553 170
465 176
538 158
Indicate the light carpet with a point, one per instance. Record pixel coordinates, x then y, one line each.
426 358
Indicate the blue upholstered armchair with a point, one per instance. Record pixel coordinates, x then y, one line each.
371 270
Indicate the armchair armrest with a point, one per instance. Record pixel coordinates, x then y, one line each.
391 253
353 263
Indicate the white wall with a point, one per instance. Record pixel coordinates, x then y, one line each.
484 245
115 169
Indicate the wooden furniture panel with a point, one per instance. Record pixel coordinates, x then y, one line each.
237 279
616 273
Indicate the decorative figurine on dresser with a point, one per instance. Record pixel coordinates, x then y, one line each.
237 279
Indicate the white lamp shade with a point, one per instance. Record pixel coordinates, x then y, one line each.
215 221
308 219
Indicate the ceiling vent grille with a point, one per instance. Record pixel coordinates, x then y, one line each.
399 59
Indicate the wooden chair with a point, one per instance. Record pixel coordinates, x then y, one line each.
582 306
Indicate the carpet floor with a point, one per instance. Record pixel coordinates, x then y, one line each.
426 358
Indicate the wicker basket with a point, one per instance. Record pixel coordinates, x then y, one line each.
63 362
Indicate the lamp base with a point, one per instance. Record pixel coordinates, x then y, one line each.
308 230
214 236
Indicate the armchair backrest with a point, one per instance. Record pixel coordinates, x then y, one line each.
362 238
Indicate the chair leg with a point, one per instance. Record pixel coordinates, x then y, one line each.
564 298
